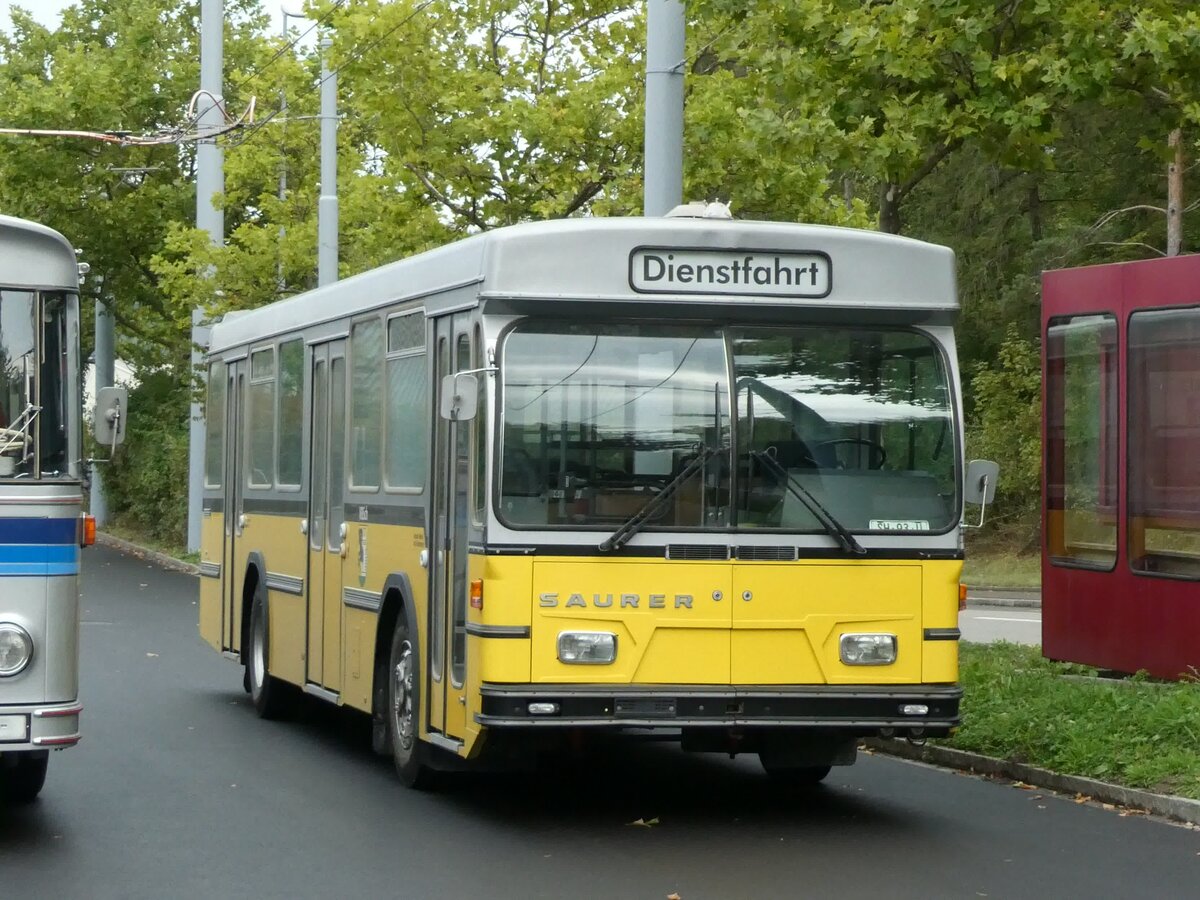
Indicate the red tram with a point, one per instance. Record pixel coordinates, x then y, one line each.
1121 466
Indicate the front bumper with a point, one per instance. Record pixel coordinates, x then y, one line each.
41 726
858 710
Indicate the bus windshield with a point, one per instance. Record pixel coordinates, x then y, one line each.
598 420
34 347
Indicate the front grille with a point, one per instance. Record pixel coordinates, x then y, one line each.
778 554
697 551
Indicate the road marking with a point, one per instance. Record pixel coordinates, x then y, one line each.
1002 619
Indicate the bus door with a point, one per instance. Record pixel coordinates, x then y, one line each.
447 657
326 515
231 571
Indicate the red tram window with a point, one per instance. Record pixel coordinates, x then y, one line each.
1082 433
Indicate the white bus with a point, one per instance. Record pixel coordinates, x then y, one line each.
678 476
41 527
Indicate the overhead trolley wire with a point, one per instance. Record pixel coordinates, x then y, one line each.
354 57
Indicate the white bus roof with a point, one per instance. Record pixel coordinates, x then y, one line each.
35 257
683 260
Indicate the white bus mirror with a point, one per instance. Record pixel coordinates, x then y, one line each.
460 397
109 421
980 486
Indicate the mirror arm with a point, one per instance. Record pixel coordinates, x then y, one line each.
982 504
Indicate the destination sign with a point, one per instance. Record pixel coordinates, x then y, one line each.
675 270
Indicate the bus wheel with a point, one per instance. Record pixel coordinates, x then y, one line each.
22 782
795 776
403 708
266 691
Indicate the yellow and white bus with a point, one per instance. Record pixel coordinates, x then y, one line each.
678 476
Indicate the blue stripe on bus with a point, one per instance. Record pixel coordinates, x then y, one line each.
38 559
39 531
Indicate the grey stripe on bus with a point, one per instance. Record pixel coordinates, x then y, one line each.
359 599
288 584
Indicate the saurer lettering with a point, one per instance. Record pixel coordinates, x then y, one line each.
622 601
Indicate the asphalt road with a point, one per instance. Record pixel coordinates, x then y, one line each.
179 791
984 624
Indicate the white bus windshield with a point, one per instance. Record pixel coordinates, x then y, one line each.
599 419
33 384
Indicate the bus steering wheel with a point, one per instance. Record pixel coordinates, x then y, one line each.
878 453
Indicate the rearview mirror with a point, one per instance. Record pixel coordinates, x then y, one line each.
109 422
980 485
460 397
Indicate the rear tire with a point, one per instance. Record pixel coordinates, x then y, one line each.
22 782
266 691
403 711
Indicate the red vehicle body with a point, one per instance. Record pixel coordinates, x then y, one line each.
1121 466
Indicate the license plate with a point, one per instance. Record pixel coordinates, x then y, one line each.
14 728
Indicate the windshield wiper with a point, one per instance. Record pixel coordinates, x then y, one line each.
835 528
634 523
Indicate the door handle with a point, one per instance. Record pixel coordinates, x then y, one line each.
342 532
241 521
304 526
424 559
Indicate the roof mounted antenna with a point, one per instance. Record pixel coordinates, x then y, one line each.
699 209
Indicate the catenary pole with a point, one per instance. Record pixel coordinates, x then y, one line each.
664 106
327 208
210 184
104 376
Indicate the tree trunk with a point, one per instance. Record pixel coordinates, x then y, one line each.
889 208
1035 211
1175 195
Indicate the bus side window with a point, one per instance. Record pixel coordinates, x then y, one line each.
261 418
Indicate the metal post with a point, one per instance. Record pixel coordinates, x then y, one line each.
200 336
663 175
210 183
104 376
327 208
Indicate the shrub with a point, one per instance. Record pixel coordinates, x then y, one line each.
146 483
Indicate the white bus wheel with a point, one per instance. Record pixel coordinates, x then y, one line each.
21 783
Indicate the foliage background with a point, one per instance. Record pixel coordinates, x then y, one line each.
1027 136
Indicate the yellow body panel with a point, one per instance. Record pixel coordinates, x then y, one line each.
788 620
634 599
212 533
508 584
743 623
277 539
939 609
358 670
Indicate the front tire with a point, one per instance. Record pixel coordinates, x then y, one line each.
266 691
22 781
403 711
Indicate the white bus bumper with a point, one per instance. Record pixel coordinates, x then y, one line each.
43 726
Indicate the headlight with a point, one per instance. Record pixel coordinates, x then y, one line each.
868 649
16 649
587 647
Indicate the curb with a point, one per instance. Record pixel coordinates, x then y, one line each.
161 559
1003 602
1023 597
1178 809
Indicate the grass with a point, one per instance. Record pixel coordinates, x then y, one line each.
135 536
1010 559
1136 732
